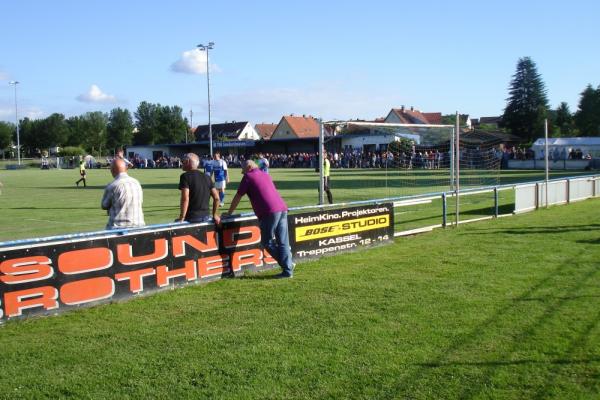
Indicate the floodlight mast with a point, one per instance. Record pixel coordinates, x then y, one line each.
206 48
15 83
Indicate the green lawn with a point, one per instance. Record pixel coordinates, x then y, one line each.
429 317
38 203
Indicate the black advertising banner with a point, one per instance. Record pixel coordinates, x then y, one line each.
55 276
325 232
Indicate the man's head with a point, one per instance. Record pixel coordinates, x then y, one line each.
248 165
119 152
190 162
118 166
217 155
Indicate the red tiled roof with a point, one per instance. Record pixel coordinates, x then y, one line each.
417 117
303 127
265 130
434 118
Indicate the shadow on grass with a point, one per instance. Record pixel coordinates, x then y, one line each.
589 241
501 363
536 229
521 333
260 276
53 208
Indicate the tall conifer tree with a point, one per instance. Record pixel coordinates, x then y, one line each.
587 117
527 103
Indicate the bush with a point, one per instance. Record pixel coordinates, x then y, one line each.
72 151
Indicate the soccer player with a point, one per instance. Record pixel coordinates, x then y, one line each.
208 166
82 173
219 170
263 163
326 175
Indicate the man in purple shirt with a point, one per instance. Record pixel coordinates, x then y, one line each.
271 211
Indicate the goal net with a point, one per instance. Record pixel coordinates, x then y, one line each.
410 159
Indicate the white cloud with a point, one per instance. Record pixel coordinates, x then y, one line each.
7 113
3 76
193 62
96 95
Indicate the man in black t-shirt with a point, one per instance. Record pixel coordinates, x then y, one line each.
196 189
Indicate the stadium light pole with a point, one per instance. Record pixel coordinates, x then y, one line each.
15 83
206 48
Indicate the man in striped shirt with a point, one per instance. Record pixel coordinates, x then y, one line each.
123 199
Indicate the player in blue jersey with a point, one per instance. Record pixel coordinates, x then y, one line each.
263 163
219 170
207 164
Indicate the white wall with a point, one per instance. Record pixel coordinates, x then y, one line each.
146 152
359 142
249 133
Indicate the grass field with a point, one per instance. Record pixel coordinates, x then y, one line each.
38 203
516 316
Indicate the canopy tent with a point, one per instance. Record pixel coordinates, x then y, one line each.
560 148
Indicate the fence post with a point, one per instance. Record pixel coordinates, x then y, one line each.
444 210
568 191
495 202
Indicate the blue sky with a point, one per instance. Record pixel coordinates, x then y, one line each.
332 59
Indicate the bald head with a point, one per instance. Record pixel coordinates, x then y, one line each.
118 166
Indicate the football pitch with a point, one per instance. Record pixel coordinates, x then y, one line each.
502 309
37 203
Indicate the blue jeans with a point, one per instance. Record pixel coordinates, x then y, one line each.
195 220
274 238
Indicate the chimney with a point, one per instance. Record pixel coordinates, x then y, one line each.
402 108
412 108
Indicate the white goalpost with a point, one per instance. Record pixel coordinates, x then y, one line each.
413 159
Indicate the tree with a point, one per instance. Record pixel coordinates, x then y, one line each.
172 125
159 124
52 131
147 123
527 103
94 131
563 119
75 137
587 117
119 130
28 130
450 119
6 133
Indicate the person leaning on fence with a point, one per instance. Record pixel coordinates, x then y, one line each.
123 199
196 190
271 211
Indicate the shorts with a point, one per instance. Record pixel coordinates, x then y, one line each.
220 185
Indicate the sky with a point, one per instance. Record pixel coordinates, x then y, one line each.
330 59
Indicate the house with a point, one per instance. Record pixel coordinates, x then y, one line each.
227 131
376 136
412 116
493 122
291 127
265 131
